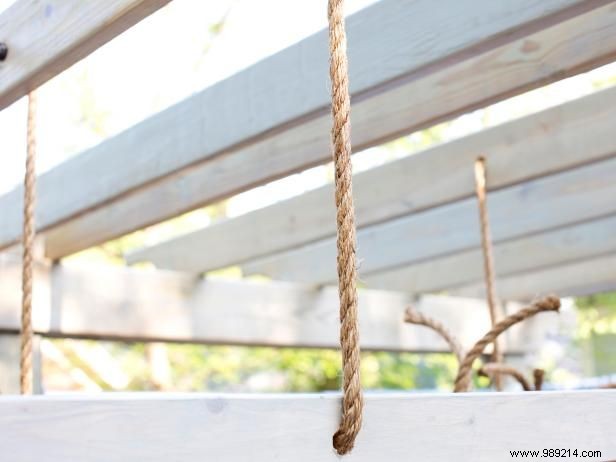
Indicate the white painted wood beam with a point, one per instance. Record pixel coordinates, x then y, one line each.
558 200
131 304
559 138
275 119
469 427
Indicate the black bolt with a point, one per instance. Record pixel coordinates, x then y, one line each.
4 51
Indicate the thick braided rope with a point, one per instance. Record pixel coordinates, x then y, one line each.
488 259
463 380
415 317
491 369
25 362
352 400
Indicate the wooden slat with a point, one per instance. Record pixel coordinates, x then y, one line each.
515 257
128 304
585 277
540 144
272 119
45 38
549 202
469 427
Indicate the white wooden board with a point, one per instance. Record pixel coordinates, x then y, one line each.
546 203
583 277
516 257
397 427
45 38
555 139
128 304
391 44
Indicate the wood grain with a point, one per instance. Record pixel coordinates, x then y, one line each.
469 427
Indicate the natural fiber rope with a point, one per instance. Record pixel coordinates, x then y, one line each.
415 317
488 260
491 369
538 375
25 362
463 379
352 400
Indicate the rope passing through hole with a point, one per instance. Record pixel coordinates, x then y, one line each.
25 360
352 399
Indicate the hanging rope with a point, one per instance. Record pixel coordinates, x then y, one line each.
352 400
488 260
463 380
415 317
25 362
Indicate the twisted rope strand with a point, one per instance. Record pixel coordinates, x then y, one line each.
488 260
352 400
415 317
463 379
490 369
25 360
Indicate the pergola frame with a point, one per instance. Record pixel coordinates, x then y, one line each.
412 66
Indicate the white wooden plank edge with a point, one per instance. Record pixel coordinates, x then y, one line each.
130 304
528 254
584 277
555 139
472 427
546 203
45 38
389 41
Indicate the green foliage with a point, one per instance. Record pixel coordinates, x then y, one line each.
265 369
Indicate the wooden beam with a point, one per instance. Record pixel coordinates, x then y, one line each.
445 62
517 151
45 38
467 427
131 304
584 277
539 205
513 258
